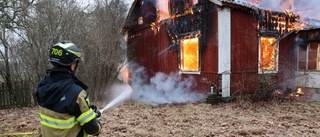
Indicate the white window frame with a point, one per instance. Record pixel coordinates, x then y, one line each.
307 58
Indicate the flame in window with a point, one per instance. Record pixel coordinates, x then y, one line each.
268 53
190 54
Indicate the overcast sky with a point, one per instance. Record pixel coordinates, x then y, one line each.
87 2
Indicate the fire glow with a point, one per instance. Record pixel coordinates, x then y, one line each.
294 95
190 54
299 91
268 53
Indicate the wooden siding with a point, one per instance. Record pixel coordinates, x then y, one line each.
209 55
152 50
244 49
204 86
312 35
168 59
143 49
287 56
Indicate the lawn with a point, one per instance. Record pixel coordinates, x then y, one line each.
239 118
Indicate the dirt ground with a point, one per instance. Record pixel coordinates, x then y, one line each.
239 118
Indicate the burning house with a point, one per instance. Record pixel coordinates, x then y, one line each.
223 44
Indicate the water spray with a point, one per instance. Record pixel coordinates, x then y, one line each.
125 94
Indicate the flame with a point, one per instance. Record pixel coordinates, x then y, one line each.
163 14
124 73
155 27
283 25
297 94
299 25
190 54
268 53
299 91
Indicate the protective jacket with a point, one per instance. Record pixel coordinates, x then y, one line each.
64 106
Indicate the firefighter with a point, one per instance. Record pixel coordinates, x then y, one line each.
65 109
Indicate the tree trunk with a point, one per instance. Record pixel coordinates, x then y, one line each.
7 72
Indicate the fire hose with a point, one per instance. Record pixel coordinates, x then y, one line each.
19 133
124 95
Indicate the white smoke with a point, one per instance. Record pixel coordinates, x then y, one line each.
315 96
304 8
163 88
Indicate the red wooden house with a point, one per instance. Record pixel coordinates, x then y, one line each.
220 43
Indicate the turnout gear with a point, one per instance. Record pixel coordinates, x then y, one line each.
94 108
63 105
65 109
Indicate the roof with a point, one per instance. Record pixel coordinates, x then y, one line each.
240 3
222 3
311 24
127 21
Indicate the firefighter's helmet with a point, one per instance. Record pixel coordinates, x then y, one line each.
64 53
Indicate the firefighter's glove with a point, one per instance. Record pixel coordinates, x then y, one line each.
94 108
100 128
98 113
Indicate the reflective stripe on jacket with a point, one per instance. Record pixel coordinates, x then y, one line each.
56 124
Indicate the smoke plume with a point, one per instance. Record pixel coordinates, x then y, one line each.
163 88
304 8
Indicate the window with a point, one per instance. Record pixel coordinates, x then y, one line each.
140 20
189 55
179 6
268 55
309 57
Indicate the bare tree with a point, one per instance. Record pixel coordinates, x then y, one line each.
10 14
50 22
103 53
96 33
